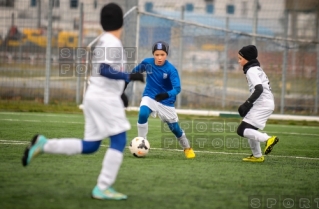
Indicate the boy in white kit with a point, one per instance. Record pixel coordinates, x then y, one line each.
103 109
258 107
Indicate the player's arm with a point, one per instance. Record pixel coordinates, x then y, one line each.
256 94
140 68
176 87
175 83
137 70
256 81
253 78
108 71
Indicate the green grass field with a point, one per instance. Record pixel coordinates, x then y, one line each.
216 178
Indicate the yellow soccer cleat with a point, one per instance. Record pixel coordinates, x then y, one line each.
189 153
270 144
253 159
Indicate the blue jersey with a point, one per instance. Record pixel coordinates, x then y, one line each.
160 79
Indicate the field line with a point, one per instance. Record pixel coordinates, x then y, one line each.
16 142
39 121
41 114
238 153
76 115
133 125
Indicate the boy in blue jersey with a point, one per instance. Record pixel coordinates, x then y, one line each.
162 86
103 110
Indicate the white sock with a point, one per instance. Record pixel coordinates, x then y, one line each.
255 147
63 146
256 135
111 164
183 141
142 130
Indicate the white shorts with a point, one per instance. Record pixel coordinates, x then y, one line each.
258 116
104 117
165 113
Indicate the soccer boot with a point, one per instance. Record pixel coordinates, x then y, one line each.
253 159
34 149
270 143
189 153
108 194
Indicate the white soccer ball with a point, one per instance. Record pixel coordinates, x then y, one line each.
139 147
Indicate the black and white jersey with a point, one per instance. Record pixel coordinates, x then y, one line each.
255 76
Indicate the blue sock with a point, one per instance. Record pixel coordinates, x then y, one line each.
118 141
89 147
174 127
143 115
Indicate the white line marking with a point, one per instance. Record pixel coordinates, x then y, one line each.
176 150
294 133
76 115
238 153
8 119
133 125
40 114
39 121
12 143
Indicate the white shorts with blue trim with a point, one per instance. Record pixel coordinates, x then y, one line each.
165 113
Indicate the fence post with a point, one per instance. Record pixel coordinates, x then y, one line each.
79 59
48 56
225 64
180 61
39 13
136 48
255 22
317 83
284 67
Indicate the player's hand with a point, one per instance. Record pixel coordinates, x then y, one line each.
124 99
161 96
137 76
244 108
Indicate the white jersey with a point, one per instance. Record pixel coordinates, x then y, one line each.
255 76
108 50
103 108
264 105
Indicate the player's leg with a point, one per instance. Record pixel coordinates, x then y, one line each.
169 115
258 118
147 106
108 121
182 139
254 144
68 146
262 137
142 124
111 164
179 133
255 148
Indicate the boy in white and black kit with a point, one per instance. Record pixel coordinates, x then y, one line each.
258 107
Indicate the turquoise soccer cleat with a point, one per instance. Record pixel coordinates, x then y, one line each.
108 194
34 149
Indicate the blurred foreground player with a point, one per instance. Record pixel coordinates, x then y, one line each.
103 110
